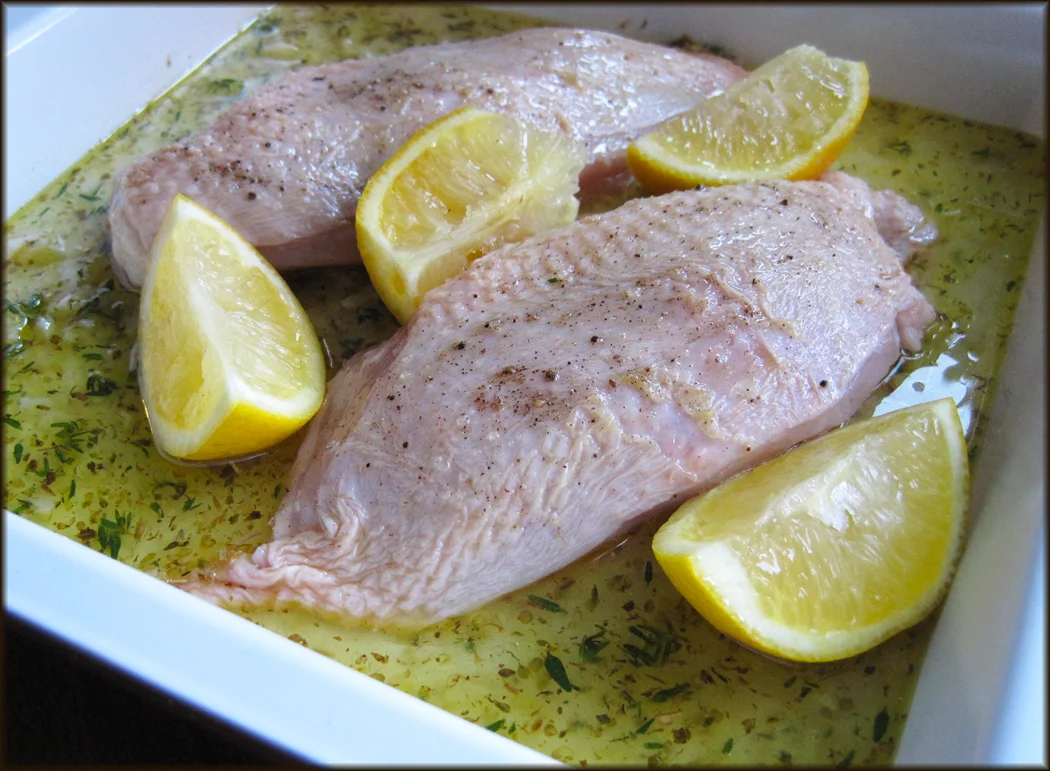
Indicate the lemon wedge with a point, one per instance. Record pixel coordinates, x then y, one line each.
229 363
460 187
833 547
789 119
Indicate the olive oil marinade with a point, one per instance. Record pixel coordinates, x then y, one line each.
600 662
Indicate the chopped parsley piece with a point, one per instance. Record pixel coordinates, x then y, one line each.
110 531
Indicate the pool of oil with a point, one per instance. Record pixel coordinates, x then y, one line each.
602 662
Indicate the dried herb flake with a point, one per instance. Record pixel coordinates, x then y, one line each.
882 722
225 87
110 531
546 604
592 645
99 385
557 672
667 693
900 146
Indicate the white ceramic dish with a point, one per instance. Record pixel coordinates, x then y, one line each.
981 695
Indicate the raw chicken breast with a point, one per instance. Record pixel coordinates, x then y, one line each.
565 387
286 165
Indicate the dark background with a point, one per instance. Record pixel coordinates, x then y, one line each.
64 707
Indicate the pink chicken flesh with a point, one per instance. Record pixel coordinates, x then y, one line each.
286 166
565 387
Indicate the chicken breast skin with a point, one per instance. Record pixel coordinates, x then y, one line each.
286 165
565 387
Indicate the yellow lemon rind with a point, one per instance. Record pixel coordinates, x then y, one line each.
711 579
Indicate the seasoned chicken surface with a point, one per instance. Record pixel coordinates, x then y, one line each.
286 166
563 388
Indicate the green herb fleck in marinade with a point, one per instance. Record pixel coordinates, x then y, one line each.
546 604
110 532
900 146
667 693
557 672
592 645
224 86
602 662
882 722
